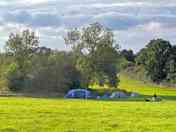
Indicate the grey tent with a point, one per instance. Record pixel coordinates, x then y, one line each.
133 94
118 94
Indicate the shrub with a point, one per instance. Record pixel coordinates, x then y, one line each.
15 79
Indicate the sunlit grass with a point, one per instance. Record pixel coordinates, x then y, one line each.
130 84
57 115
20 114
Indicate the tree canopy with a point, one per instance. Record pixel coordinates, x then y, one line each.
97 51
22 46
155 57
94 57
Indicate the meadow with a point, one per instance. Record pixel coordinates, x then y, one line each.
26 114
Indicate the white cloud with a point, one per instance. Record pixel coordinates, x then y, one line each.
34 1
151 27
26 2
134 22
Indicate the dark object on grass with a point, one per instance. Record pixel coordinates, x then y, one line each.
156 98
147 100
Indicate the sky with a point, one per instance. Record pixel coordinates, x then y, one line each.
134 22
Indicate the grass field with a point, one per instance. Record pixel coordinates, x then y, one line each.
144 88
20 114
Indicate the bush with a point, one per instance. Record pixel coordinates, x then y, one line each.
54 73
15 79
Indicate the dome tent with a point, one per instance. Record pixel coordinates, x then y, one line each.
78 93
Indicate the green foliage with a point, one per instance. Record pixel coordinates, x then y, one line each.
4 64
39 69
22 46
137 72
54 73
171 66
128 55
124 64
16 80
97 53
141 57
154 58
104 61
95 58
85 70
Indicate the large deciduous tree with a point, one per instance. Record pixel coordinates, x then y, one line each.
97 53
21 46
171 66
154 57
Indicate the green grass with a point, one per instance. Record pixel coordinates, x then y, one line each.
20 114
57 115
145 88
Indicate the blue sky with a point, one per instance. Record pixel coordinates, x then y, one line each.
134 22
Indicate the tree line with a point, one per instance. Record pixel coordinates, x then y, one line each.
94 57
159 60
